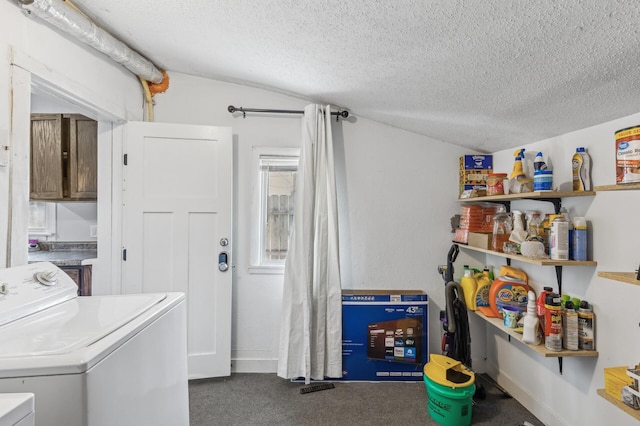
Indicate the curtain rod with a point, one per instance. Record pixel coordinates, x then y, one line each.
244 111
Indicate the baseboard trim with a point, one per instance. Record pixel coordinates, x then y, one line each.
528 400
249 365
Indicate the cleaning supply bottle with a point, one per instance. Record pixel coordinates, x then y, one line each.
586 327
484 282
469 286
579 240
581 167
538 163
530 332
541 310
553 323
518 170
569 326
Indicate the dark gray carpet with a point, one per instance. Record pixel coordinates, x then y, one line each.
265 399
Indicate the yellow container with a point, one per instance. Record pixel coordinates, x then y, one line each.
448 372
615 378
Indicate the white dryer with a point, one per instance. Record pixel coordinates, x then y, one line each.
96 360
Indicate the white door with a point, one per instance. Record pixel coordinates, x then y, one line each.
177 200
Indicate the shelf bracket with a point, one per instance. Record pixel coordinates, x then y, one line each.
560 364
559 278
557 203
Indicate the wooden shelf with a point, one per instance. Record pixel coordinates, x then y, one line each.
535 195
621 405
540 349
534 261
625 277
621 187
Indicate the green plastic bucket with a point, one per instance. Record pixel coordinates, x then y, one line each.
449 406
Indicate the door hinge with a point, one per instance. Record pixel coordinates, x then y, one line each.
125 159
124 255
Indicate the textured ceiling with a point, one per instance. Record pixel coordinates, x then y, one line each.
487 75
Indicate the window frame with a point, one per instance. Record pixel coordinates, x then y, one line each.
257 264
49 229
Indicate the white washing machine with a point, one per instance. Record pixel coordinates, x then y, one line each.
96 360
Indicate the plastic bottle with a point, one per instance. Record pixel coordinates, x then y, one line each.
538 163
534 227
586 327
569 326
518 170
553 323
541 310
579 246
484 282
518 234
531 322
581 167
469 286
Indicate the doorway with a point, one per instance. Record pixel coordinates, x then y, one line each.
33 93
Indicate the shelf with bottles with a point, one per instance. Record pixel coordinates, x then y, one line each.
531 260
540 349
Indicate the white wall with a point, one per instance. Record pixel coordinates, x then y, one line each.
396 195
535 381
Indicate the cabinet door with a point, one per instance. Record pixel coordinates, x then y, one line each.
75 272
47 133
83 157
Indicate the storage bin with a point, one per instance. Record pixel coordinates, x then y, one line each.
615 378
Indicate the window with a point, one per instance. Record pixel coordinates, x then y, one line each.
275 171
42 218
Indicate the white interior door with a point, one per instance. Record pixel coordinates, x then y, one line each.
177 200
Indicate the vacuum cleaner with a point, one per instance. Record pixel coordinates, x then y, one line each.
456 340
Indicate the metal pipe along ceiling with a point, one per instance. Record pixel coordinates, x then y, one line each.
65 18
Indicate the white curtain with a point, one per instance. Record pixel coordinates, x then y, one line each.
311 329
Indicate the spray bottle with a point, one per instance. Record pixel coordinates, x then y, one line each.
530 332
518 170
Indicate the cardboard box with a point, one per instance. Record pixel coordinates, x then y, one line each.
480 239
384 335
474 171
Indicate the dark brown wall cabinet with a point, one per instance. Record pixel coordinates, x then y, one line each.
64 158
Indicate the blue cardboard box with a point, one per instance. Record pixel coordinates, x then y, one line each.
384 335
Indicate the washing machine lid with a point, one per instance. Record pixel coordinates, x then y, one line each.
67 327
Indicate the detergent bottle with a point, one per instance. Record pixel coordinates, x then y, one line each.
484 281
538 163
581 167
518 170
469 286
